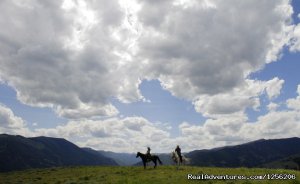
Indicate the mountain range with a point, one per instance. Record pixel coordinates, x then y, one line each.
122 159
19 153
253 154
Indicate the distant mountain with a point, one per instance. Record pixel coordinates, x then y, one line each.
122 159
18 153
252 154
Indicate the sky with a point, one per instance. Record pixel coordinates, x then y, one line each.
125 75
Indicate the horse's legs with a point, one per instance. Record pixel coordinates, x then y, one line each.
144 165
154 163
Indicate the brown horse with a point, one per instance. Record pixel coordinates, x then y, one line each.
146 159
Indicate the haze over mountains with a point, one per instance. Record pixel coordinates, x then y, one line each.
123 159
19 153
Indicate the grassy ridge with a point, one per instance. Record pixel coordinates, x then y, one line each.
135 175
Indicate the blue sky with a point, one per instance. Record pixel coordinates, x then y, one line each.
163 107
106 79
31 115
286 68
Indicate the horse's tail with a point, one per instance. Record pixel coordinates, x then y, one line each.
160 162
186 159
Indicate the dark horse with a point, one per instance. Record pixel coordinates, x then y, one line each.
146 159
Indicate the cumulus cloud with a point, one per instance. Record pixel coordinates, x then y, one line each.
273 87
232 130
272 106
237 129
74 56
87 111
115 134
69 56
11 124
276 125
295 42
135 133
235 102
294 103
194 48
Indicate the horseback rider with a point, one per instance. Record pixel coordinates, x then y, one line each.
178 151
148 152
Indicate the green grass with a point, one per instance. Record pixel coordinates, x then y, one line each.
136 175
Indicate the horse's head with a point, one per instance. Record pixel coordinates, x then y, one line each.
138 154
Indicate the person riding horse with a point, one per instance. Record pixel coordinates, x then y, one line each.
178 151
145 158
148 152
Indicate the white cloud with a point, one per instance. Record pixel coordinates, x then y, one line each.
295 42
11 124
279 39
273 87
294 103
277 125
127 134
133 134
70 57
87 111
8 119
233 130
272 106
236 130
195 50
75 56
235 102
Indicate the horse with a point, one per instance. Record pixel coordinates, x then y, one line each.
176 159
145 158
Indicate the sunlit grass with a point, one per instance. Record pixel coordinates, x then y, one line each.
136 175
